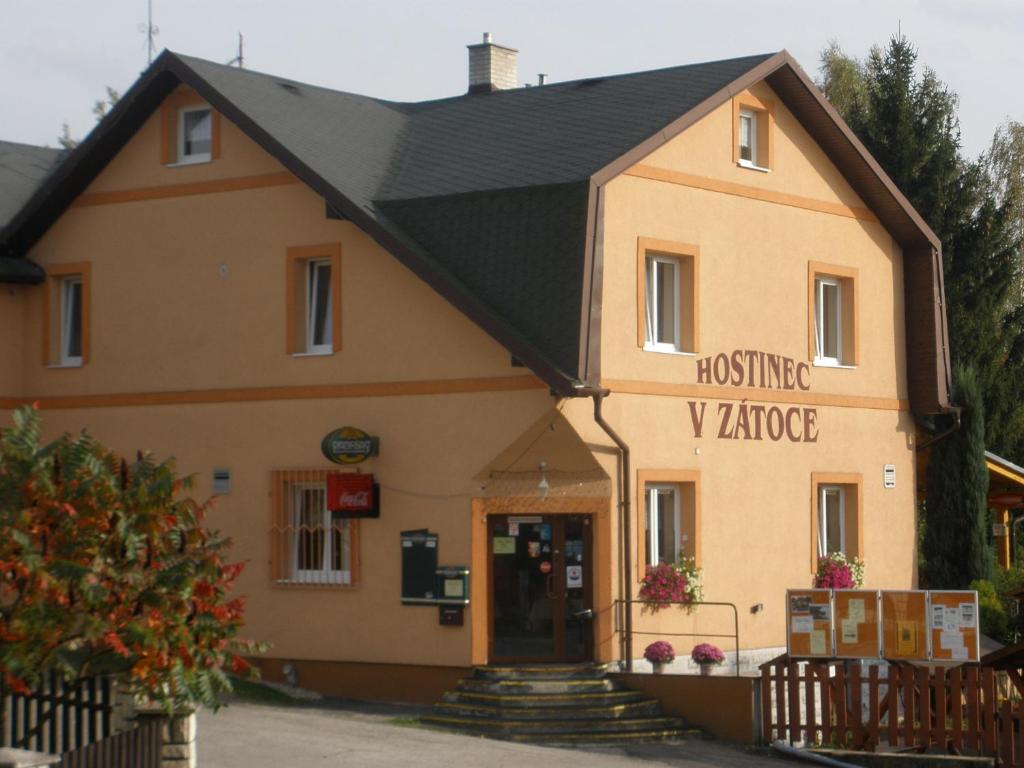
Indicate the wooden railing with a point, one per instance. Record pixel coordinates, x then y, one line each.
834 703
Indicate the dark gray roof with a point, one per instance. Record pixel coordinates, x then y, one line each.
488 197
22 169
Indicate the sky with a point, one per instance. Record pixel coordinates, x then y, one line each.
58 56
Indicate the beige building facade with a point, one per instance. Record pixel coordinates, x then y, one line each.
746 377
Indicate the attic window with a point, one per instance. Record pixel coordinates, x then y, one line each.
189 130
752 126
195 135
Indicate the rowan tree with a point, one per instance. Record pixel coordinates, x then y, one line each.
105 566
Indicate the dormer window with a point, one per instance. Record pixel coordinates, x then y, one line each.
195 135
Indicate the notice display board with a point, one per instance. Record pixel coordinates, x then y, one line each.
809 622
954 625
419 567
905 625
857 625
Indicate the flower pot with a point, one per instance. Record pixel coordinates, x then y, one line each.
659 667
705 669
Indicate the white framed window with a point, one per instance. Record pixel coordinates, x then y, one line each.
831 519
319 307
321 541
662 304
663 541
71 320
748 137
828 321
195 134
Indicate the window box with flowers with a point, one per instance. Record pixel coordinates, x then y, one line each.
668 584
839 571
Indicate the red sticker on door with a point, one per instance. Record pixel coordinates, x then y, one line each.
545 567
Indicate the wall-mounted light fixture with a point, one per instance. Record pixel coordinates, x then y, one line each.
542 486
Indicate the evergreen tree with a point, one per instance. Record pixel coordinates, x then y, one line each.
909 123
955 545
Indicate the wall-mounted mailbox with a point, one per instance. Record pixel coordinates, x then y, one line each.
452 586
450 615
419 567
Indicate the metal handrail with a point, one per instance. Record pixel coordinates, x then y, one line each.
687 604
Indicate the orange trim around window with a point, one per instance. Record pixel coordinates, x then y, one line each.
850 480
664 477
169 125
54 273
849 277
646 246
296 257
765 133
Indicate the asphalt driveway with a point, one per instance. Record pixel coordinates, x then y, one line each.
245 735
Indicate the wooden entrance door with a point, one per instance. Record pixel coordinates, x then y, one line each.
540 577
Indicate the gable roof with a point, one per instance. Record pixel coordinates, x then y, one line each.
490 198
22 169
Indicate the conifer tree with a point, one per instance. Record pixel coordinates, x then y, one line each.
909 123
955 545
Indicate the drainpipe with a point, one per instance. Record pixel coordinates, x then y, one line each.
956 411
599 394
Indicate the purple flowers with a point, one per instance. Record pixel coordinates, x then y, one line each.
706 653
660 652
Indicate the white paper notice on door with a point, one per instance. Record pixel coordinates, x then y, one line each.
849 631
573 576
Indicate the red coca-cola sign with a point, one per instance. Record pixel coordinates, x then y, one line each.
350 492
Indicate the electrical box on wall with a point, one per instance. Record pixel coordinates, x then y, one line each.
221 480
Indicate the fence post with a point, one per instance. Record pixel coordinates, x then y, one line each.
179 734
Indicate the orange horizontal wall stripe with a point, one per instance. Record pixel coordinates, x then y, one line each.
757 395
306 392
754 193
184 190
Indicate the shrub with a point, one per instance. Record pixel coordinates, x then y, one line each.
994 620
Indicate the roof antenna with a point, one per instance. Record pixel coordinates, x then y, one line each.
240 58
151 32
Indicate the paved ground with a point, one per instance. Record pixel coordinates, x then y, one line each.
244 735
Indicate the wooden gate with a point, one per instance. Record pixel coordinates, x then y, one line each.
833 703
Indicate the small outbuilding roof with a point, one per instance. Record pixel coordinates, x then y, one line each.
22 169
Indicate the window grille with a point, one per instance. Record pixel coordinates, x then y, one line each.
311 546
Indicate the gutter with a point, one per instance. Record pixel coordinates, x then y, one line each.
599 394
955 411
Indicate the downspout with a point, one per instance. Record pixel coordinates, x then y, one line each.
956 411
599 394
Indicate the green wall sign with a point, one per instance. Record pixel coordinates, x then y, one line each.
349 445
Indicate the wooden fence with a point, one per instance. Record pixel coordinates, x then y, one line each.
139 747
834 703
56 717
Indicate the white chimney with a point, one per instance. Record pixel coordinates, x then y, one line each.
492 67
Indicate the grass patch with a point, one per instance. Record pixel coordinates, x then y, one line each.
255 692
406 722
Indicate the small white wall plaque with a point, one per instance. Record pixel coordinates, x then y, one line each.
889 475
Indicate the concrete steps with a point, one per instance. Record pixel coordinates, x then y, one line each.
554 704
